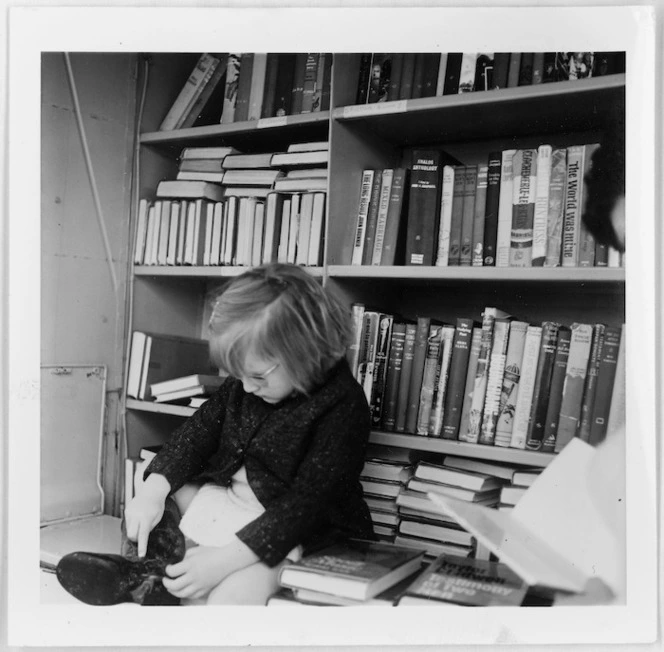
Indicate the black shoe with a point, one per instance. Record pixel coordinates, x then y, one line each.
105 579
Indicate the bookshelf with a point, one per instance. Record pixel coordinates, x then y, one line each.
174 300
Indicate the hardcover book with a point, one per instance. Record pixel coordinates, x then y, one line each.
441 381
556 389
417 373
362 216
431 363
524 168
540 217
590 387
556 207
372 217
477 253
491 211
392 248
505 208
475 346
456 215
446 197
405 378
394 366
468 215
573 206
376 251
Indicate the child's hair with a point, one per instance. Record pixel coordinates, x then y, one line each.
281 313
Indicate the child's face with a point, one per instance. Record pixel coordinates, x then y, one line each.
266 379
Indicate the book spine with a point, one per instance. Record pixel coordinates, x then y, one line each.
523 207
514 69
467 72
526 69
394 222
379 81
431 365
575 376
586 239
440 392
284 85
538 67
494 382
317 100
362 214
196 110
504 210
456 217
501 62
526 386
572 215
423 207
446 195
430 65
617 409
606 374
479 217
442 71
141 231
394 366
418 76
491 211
404 380
510 386
309 82
372 217
452 73
244 87
327 81
367 355
542 388
590 388
456 381
556 390
475 346
383 344
257 86
353 354
471 435
381 219
363 79
417 372
270 94
407 73
468 216
395 77
541 204
556 207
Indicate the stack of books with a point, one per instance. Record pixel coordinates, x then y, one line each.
385 77
511 493
183 388
497 381
519 208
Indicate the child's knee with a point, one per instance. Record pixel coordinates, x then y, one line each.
250 586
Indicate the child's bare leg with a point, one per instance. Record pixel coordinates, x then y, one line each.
252 585
184 495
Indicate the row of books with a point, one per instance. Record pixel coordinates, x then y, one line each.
501 382
522 208
385 77
236 87
245 231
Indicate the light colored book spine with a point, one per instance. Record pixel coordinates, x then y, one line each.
524 168
294 226
572 216
501 329
467 73
447 192
217 226
257 88
616 418
437 414
381 223
182 231
357 317
505 210
475 345
510 385
171 253
141 231
429 378
556 207
541 204
257 240
209 216
304 233
284 236
164 231
442 70
317 222
526 386
362 215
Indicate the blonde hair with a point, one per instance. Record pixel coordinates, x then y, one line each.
282 314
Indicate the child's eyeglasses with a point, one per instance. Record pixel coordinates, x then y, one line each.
261 379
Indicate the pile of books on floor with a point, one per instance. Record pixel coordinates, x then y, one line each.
237 87
229 208
495 382
402 76
516 208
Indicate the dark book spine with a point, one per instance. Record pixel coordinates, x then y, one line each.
608 63
423 207
452 73
283 93
363 79
457 215
404 380
271 72
601 255
297 93
556 389
407 72
548 74
244 87
468 216
606 374
542 388
327 82
478 218
309 84
418 76
395 77
430 65
590 389
385 323
372 218
491 212
394 366
393 239
513 70
526 69
501 63
417 372
538 67
456 382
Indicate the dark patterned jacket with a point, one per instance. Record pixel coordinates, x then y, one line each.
303 458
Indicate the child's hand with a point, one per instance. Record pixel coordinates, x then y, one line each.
142 513
202 568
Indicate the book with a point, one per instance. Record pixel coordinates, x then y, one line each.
270 90
556 389
437 531
431 358
207 153
190 190
456 215
556 207
379 77
416 372
460 478
444 229
362 216
411 499
573 207
244 87
354 569
505 209
494 165
586 238
524 401
367 350
452 73
538 68
284 85
511 494
484 66
510 385
381 488
501 61
542 386
314 257
373 252
575 376
468 215
461 493
405 377
525 478
498 470
299 73
185 382
407 74
524 169
387 470
297 184
383 343
477 251
473 357
463 581
251 177
395 77
372 217
541 212
300 158
230 90
353 351
526 69
442 71
423 207
207 108
309 83
141 231
435 425
432 548
467 72
590 386
247 161
185 393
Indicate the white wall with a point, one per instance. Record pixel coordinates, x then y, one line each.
82 318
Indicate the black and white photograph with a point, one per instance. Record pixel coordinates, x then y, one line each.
373 326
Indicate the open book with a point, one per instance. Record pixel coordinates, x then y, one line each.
557 536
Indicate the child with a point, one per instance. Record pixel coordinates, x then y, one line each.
269 465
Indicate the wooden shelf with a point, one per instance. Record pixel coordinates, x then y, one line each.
160 408
185 271
447 447
541 108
